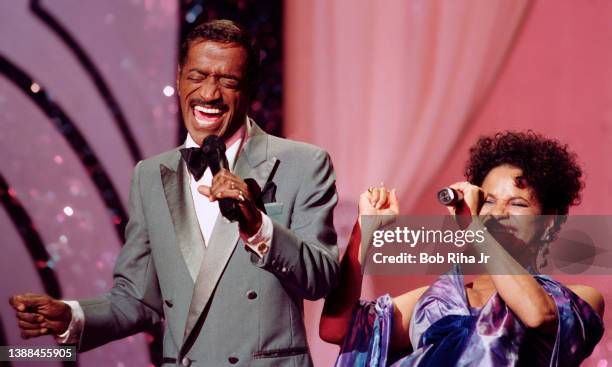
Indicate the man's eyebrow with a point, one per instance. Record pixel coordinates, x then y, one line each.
220 75
229 76
195 70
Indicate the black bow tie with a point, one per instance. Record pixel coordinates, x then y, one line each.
196 161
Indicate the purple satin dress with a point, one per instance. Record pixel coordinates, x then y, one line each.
446 331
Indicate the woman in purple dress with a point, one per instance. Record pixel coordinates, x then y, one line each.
520 185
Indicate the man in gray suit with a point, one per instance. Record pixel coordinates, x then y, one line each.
231 293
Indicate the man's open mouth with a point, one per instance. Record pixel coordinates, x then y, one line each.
207 116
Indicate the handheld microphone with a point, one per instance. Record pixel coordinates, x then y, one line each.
449 197
213 148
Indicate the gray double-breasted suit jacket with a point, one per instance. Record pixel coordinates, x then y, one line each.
222 304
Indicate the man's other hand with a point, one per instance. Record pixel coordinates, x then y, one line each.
226 185
39 314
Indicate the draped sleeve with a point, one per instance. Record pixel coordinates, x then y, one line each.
579 328
367 341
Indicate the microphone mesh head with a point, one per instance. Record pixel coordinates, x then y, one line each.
447 196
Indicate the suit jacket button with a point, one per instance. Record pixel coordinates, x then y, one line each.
251 294
186 362
233 360
284 270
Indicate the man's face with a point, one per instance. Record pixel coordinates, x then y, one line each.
212 89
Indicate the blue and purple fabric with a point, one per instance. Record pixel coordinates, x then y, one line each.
446 331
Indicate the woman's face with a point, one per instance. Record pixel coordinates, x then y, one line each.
514 205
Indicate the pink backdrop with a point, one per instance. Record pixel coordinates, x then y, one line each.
395 90
46 174
398 90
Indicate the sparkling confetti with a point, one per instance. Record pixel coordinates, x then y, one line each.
68 211
168 91
35 88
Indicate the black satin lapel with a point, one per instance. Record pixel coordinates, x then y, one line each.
186 227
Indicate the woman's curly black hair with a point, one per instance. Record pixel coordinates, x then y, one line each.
548 167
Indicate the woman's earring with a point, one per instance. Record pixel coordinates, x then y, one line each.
544 251
546 237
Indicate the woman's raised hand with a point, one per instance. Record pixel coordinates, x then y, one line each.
472 199
378 201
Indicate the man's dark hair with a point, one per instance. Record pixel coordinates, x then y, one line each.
548 167
225 31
